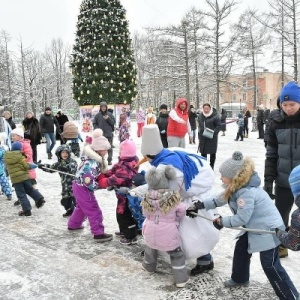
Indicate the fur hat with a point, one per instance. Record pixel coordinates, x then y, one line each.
294 180
290 92
139 179
48 108
233 165
16 146
127 149
99 142
151 142
158 178
70 131
18 131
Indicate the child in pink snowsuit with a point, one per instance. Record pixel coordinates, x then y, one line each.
84 185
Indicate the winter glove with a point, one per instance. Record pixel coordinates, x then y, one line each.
41 166
110 188
123 190
32 166
269 189
218 223
194 208
102 181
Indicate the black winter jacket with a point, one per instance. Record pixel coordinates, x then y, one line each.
206 145
283 147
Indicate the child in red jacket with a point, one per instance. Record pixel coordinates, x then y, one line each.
120 175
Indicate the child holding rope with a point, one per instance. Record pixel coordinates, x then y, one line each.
252 208
66 168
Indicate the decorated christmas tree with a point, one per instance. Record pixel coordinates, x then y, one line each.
102 61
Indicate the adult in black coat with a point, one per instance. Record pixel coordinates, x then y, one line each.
260 121
193 122
61 119
247 115
162 123
223 120
47 123
32 132
209 118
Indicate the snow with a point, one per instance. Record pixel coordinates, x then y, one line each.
41 259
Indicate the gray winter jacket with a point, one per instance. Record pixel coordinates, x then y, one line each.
252 208
107 125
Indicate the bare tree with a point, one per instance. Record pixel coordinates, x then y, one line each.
216 42
57 56
251 38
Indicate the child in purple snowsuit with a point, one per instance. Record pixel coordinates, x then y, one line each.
120 175
84 185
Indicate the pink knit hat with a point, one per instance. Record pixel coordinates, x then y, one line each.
127 149
99 142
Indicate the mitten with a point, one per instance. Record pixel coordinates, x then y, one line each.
32 166
102 181
110 188
268 187
123 190
218 223
41 166
190 210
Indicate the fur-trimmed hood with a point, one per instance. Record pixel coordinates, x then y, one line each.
245 177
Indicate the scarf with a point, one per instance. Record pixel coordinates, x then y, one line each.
180 160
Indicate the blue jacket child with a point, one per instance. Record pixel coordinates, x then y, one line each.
252 208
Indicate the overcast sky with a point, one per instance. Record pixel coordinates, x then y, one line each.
37 22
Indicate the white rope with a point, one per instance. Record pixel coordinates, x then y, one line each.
237 228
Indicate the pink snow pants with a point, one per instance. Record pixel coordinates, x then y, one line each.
86 206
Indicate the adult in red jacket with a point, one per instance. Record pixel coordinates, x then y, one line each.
178 125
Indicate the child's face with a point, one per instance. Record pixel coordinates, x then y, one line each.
64 154
16 137
225 180
290 107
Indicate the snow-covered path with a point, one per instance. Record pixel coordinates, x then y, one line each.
41 259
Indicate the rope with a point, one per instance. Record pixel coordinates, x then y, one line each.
237 228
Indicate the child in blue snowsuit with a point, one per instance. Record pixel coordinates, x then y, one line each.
134 202
4 181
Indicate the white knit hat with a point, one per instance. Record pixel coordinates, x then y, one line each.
18 131
151 142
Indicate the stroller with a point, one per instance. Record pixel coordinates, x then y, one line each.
71 136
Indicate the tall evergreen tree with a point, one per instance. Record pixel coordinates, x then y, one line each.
102 61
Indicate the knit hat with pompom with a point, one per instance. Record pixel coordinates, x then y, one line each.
233 165
99 141
127 149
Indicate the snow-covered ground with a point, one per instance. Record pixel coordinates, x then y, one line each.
41 259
